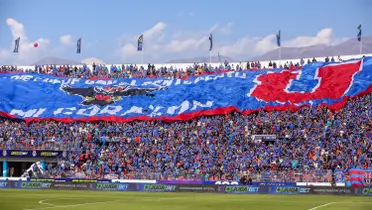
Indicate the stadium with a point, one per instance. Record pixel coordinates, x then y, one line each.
283 133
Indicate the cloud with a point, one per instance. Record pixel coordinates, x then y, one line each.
66 40
90 61
188 44
246 46
27 52
227 28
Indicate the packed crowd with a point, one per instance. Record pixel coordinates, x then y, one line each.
134 71
309 141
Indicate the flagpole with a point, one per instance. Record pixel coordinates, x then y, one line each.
143 52
360 48
210 57
280 55
81 52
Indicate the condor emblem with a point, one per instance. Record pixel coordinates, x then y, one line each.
104 95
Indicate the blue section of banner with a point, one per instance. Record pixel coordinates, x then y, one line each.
43 96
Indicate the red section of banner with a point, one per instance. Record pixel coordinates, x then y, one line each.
273 86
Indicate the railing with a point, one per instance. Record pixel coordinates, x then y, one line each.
266 176
55 146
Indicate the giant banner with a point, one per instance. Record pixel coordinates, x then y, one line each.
35 96
361 177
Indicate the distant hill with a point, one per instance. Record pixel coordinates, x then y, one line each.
215 59
56 61
349 47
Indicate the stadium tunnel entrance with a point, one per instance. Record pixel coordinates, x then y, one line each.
16 167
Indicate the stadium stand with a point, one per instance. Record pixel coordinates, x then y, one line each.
309 144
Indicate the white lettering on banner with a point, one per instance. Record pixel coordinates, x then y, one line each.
133 109
111 110
21 113
74 80
39 112
198 79
55 81
210 77
94 111
101 82
230 74
243 75
15 77
66 81
219 76
178 81
26 78
168 82
183 107
197 103
89 82
61 111
187 82
155 112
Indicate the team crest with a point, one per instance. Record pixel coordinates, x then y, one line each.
5 153
104 95
367 179
339 177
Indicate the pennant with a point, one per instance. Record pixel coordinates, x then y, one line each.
16 45
78 46
140 43
359 36
210 42
278 36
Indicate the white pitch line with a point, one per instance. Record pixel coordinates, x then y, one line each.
44 203
73 205
324 205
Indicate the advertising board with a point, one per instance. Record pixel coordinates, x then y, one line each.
290 190
157 188
331 190
4 184
243 189
197 188
365 191
33 185
32 153
115 187
71 186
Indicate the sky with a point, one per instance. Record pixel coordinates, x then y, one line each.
172 29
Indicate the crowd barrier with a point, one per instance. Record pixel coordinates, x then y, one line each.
201 188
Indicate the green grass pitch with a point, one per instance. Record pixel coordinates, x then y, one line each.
12 199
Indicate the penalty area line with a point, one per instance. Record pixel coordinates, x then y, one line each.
72 205
321 206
